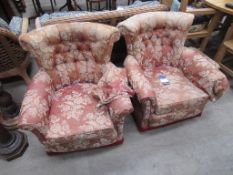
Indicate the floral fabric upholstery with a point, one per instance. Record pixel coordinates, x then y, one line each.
155 43
72 53
212 81
75 117
66 105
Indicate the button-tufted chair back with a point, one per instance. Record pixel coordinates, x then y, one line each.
156 38
72 52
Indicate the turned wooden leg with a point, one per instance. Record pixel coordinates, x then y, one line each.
12 144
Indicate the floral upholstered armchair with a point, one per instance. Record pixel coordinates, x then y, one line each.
78 99
172 82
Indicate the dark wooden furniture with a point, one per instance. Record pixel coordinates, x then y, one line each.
14 60
70 7
12 143
9 111
6 12
226 46
90 3
130 1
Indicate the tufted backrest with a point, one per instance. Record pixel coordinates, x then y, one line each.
156 38
71 52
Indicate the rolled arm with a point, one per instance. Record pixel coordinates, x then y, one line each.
35 106
203 72
113 91
138 81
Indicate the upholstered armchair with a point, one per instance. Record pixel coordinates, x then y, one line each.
156 53
78 100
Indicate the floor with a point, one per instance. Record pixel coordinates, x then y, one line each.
199 146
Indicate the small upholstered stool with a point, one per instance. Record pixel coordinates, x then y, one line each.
89 4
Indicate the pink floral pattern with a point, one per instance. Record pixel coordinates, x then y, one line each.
70 105
203 72
71 53
155 43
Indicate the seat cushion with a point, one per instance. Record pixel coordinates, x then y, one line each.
75 118
179 94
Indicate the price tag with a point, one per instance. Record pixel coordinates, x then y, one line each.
163 79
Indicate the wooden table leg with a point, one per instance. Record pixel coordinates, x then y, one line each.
113 5
51 2
222 50
212 25
39 7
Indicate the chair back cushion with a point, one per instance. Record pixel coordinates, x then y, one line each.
72 52
156 38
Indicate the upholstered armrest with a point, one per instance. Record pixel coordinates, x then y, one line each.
113 90
122 106
35 106
138 81
203 72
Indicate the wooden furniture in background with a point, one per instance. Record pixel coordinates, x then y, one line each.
12 143
109 17
222 10
6 12
14 60
70 7
226 46
219 5
130 1
90 3
203 34
9 111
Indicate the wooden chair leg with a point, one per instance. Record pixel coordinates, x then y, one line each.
107 5
24 75
98 6
212 25
87 5
220 54
91 6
